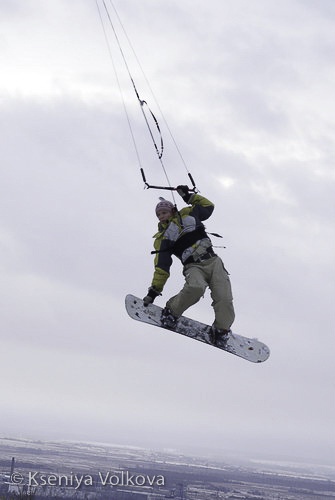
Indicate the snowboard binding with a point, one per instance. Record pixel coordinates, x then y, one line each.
168 319
218 335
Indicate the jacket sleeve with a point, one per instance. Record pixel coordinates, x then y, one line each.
201 207
163 262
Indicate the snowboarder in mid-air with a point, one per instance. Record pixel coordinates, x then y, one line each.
183 234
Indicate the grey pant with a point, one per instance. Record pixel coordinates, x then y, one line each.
209 273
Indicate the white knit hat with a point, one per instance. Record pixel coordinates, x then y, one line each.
164 205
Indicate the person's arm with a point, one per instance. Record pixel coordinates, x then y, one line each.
201 207
163 262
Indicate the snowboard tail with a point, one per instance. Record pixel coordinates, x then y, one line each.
250 349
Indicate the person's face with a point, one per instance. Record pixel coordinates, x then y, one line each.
164 214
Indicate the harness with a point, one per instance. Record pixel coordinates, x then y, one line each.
208 255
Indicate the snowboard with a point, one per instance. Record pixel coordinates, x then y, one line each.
250 349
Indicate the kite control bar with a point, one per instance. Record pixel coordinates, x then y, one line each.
169 188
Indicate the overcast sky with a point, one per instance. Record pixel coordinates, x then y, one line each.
247 89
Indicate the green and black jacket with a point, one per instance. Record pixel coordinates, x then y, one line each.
182 235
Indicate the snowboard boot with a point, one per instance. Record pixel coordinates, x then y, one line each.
168 319
218 335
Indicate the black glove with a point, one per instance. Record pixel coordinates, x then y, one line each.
184 192
150 297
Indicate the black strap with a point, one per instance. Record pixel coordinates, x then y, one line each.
208 255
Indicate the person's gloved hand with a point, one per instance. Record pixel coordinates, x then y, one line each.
150 297
184 192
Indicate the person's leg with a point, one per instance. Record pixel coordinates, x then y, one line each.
194 288
222 297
